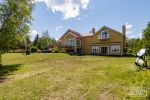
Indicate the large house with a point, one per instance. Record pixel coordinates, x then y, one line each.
105 41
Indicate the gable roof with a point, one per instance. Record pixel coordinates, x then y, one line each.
87 34
74 32
91 34
111 29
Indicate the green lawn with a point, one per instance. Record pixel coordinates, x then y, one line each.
65 77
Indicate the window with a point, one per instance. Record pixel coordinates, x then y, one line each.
115 48
104 34
95 49
70 42
78 42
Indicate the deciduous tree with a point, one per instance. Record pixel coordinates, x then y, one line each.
146 37
15 18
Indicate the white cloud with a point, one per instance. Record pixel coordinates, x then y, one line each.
128 26
141 35
97 28
69 8
33 34
132 36
59 28
129 32
78 18
86 15
56 39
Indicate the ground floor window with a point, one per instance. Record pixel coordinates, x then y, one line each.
95 49
115 48
100 49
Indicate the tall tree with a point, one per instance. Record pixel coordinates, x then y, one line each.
44 42
15 18
146 37
21 42
134 45
35 42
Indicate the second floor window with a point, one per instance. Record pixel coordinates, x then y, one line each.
78 42
104 35
70 42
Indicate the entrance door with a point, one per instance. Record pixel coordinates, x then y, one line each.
104 50
78 50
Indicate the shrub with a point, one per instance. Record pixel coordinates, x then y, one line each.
58 50
55 50
93 53
61 50
34 49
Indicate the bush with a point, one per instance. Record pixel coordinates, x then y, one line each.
34 49
58 50
55 50
61 50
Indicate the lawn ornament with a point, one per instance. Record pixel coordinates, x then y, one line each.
141 60
28 50
141 53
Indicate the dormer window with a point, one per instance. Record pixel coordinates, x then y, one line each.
104 35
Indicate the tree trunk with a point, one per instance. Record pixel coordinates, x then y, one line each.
0 59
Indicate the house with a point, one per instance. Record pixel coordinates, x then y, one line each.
105 41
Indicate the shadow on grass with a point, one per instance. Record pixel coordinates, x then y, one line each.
8 70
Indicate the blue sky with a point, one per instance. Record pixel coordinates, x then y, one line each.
57 16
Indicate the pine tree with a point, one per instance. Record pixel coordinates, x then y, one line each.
35 42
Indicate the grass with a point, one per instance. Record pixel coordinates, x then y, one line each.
61 76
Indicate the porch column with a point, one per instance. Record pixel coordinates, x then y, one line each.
75 48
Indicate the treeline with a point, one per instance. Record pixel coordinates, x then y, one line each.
40 43
135 44
45 42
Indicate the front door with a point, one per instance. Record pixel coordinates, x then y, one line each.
104 50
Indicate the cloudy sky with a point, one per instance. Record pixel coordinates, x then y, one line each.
57 16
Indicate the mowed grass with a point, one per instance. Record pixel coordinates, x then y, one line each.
65 77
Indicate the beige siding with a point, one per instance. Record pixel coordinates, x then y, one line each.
89 41
115 37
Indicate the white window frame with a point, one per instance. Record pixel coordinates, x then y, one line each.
70 42
106 47
102 36
77 44
95 49
115 49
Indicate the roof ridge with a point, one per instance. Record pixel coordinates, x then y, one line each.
74 31
111 29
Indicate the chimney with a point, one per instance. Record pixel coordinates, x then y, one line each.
124 30
93 30
124 38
